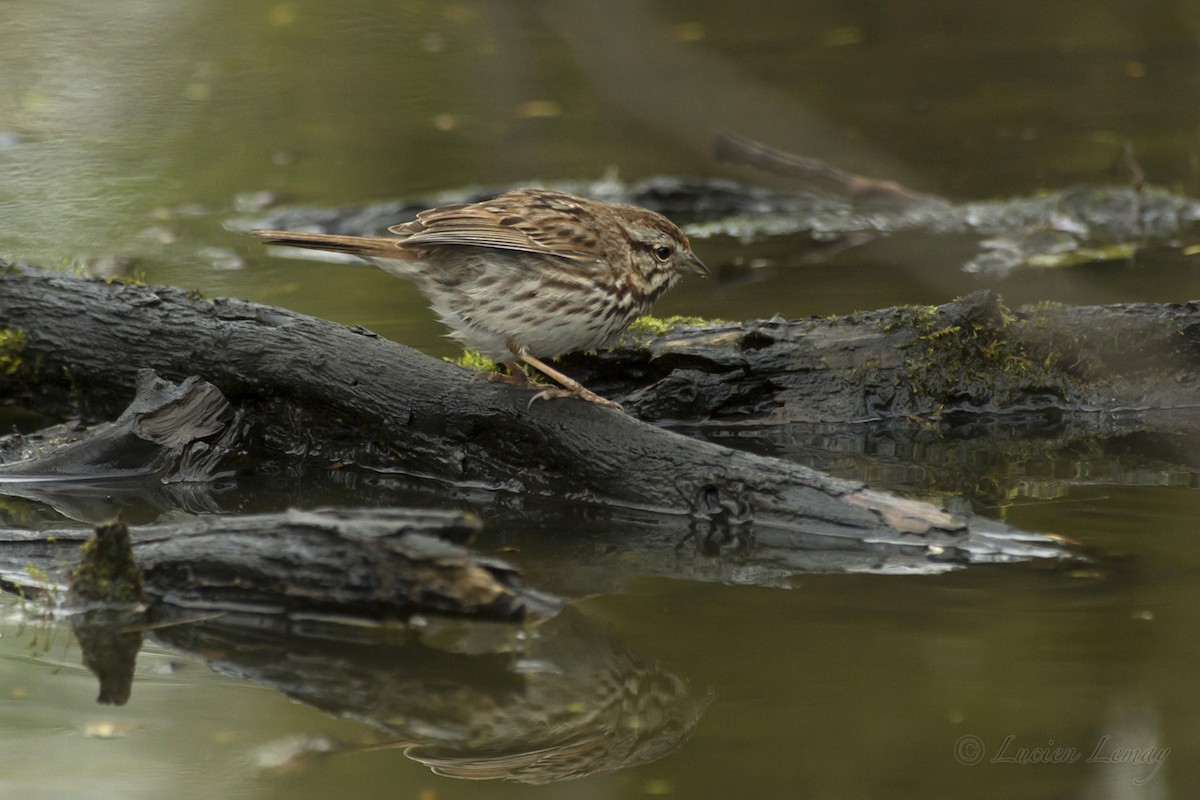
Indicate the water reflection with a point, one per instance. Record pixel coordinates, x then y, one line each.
109 641
987 462
553 702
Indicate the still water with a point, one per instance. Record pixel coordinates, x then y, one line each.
132 133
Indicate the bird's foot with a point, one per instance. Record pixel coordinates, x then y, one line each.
551 392
569 386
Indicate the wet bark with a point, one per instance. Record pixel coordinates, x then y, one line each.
170 432
379 564
314 390
972 356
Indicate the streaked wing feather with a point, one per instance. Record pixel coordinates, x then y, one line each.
499 224
505 239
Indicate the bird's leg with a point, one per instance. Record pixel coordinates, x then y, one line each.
570 386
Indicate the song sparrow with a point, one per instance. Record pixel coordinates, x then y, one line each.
528 275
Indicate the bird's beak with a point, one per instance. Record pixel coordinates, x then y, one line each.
697 266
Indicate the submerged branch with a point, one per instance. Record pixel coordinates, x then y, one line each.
814 173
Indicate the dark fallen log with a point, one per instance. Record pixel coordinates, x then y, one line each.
271 571
1140 361
163 451
172 448
379 564
314 390
170 432
648 544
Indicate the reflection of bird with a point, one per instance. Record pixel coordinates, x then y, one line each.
534 704
528 275
577 702
619 721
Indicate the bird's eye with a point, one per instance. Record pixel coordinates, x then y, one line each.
663 253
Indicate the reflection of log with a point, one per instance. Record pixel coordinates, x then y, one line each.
378 563
109 641
560 701
318 390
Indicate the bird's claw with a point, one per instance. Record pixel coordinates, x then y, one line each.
551 392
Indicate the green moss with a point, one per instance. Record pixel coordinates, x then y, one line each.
640 330
644 328
12 349
968 359
477 362
657 326
38 574
474 360
1083 255
107 571
133 279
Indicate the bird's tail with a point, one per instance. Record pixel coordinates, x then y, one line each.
363 246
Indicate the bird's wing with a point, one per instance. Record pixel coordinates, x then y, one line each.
529 220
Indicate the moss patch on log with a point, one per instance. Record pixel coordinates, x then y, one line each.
647 327
475 361
12 350
638 334
107 572
963 356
